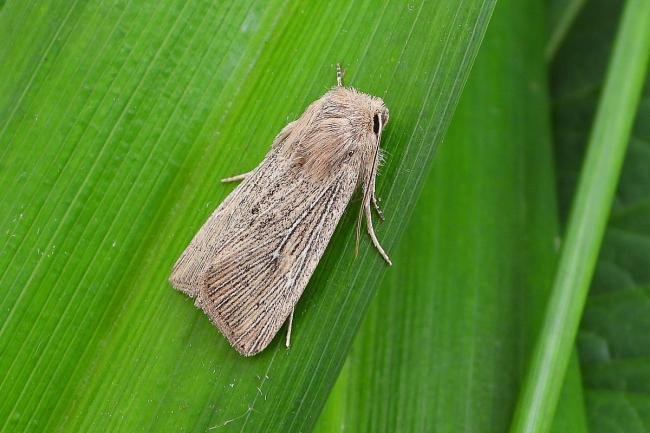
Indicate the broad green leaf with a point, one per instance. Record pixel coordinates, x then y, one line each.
117 121
445 343
614 337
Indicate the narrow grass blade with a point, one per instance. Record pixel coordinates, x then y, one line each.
561 15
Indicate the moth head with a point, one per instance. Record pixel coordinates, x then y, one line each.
342 127
364 115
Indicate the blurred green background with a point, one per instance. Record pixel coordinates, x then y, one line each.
118 118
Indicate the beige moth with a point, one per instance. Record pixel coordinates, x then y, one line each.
248 265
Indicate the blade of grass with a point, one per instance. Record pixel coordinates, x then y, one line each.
120 117
607 144
561 15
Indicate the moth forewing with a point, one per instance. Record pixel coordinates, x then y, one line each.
251 288
250 262
189 270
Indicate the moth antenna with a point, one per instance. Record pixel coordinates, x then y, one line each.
339 75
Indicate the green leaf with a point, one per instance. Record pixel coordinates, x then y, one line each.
445 343
614 340
117 121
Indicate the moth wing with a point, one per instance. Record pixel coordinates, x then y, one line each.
192 263
187 273
256 279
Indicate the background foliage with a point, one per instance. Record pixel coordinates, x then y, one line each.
614 339
118 118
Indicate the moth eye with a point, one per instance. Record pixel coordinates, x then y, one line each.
375 124
350 153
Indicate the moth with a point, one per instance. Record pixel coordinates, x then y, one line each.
250 262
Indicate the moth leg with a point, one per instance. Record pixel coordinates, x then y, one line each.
288 340
375 204
371 232
236 178
373 194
